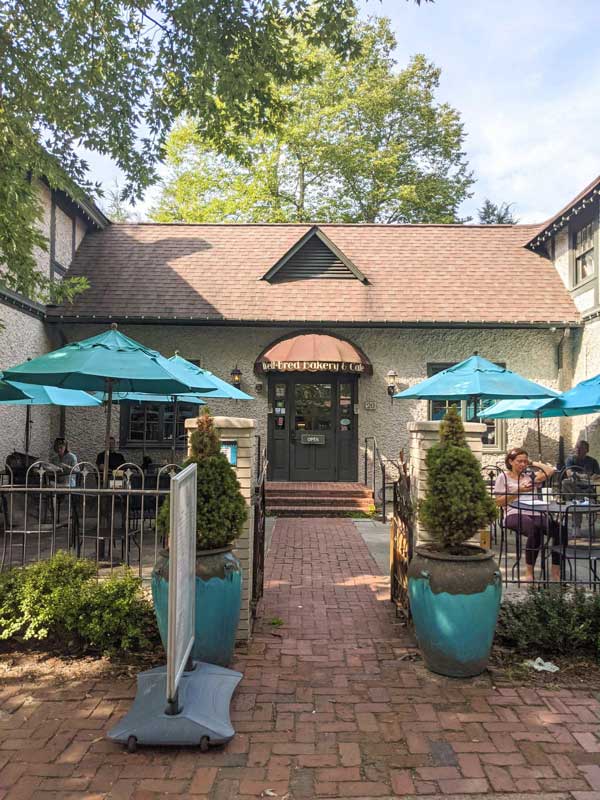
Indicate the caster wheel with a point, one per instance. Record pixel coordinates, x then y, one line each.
204 744
132 744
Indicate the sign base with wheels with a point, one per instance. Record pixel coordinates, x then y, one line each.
183 703
204 696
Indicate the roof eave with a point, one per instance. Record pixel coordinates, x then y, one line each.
558 221
330 323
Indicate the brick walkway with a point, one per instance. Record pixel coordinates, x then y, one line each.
330 706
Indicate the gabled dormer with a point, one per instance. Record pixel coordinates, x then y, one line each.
570 239
314 256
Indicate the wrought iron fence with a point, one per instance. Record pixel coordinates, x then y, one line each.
380 474
547 527
401 539
52 508
258 553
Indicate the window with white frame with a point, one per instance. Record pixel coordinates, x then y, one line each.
583 245
493 438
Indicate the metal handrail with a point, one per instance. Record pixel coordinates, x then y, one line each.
382 466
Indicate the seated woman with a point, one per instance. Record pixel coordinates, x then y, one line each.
532 524
63 458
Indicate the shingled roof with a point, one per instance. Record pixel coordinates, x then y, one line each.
416 274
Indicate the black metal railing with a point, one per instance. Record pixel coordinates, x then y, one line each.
380 473
547 529
52 508
259 529
401 540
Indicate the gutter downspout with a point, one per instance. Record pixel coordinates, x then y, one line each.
560 370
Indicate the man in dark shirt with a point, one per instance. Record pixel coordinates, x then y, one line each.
114 459
582 460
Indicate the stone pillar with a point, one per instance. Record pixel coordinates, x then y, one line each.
240 431
423 435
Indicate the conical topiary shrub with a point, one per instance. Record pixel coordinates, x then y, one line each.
221 509
457 504
454 588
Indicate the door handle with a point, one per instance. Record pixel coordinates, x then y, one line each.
293 437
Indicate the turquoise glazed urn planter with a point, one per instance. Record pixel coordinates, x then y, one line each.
454 601
218 602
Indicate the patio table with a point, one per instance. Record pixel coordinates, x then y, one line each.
561 512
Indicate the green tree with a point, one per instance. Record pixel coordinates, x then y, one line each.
362 142
112 76
115 206
496 214
457 503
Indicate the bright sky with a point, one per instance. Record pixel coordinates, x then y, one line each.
524 75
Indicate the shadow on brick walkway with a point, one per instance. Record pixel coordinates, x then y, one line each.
331 706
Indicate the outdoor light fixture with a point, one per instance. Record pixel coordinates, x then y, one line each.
236 376
391 379
258 387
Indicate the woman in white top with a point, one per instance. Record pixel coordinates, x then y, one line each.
514 483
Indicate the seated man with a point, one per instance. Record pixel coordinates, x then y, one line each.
114 459
582 460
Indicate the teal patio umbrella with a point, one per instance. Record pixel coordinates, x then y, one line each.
8 392
33 395
219 389
581 399
527 409
475 378
106 363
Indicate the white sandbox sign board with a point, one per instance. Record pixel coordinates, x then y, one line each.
182 576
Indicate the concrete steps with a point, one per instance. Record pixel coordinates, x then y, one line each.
318 499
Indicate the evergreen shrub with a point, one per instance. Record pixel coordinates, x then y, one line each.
457 504
550 623
60 600
221 509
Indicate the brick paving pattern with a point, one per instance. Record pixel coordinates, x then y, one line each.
331 706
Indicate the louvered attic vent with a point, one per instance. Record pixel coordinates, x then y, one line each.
314 256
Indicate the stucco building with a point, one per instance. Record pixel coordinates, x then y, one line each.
319 319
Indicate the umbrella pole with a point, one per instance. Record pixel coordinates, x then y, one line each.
539 432
109 394
175 410
144 437
27 429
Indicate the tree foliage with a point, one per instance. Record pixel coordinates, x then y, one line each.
113 76
496 214
362 141
221 509
456 504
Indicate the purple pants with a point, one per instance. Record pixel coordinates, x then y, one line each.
534 527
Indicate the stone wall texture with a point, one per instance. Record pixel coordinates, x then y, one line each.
42 257
586 358
22 337
408 351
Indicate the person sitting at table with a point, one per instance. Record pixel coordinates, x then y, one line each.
581 459
512 485
115 459
64 459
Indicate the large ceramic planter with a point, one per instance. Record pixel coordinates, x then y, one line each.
218 601
454 600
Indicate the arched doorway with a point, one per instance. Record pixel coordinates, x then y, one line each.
313 382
